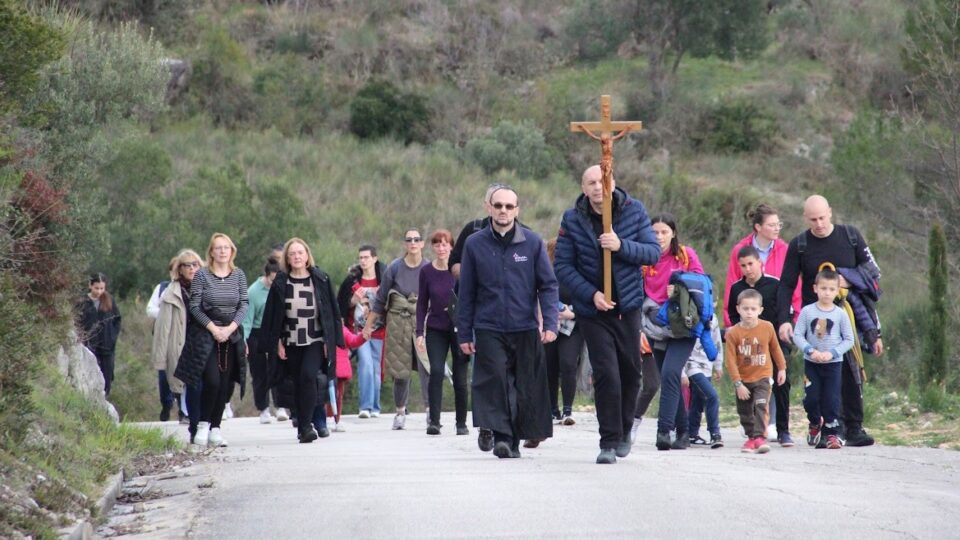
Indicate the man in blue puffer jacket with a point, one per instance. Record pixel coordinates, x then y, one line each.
610 329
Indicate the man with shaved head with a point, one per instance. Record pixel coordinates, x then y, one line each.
611 329
844 247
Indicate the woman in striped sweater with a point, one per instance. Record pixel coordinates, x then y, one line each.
214 352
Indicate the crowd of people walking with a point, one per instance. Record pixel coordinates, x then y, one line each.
510 318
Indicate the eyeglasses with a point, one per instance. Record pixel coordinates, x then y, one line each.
222 248
501 206
412 239
777 225
194 264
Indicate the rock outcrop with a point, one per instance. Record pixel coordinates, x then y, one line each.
79 367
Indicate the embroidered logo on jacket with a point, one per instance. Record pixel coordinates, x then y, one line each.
519 258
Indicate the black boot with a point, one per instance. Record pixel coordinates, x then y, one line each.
663 440
682 442
165 412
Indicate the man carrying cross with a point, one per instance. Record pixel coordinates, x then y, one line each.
611 328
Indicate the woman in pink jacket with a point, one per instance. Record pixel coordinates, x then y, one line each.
670 353
765 236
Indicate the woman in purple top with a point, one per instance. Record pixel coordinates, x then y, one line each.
436 297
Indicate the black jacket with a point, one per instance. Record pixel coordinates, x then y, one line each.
99 329
198 347
346 291
274 315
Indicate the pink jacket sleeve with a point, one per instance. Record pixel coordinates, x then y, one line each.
352 340
695 265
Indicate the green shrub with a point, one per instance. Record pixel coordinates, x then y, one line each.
709 217
380 109
297 42
220 83
26 44
289 95
735 126
134 392
933 362
21 344
215 200
517 147
596 28
138 171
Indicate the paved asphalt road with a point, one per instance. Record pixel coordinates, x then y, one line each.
371 482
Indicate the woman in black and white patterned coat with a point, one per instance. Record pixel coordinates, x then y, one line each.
301 332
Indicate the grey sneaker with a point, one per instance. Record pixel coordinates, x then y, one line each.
399 421
608 456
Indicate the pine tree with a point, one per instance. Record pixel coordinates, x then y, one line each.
933 364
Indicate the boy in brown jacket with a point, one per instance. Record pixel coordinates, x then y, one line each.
751 344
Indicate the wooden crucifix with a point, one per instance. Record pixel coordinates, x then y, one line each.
606 131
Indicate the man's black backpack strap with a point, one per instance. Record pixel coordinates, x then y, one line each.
852 238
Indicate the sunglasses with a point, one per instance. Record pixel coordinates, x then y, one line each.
190 265
501 206
412 239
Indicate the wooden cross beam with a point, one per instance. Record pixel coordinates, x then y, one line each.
606 131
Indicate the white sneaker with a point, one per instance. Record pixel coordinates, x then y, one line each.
633 430
399 421
282 414
364 414
203 434
216 439
772 432
374 414
227 412
338 427
266 417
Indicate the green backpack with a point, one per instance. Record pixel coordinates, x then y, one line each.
682 313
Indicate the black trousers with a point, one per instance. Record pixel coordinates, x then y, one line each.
438 343
217 383
510 386
106 360
651 384
613 344
781 396
563 359
303 364
851 395
258 372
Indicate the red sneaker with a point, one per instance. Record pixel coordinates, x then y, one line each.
760 444
833 442
749 447
813 436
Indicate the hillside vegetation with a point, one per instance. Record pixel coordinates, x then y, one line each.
344 122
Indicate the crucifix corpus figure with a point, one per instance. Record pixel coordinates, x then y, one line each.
606 131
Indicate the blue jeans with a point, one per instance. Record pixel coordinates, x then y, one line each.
319 417
673 413
703 396
368 374
166 395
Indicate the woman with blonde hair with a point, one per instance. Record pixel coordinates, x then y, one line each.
301 330
170 325
214 352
